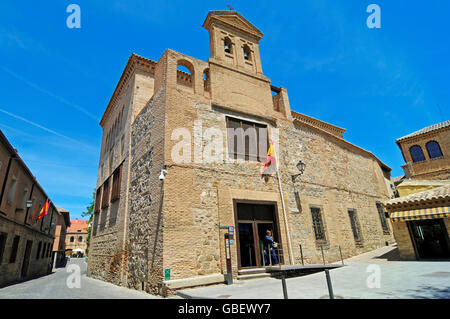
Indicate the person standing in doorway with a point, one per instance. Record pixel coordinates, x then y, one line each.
270 245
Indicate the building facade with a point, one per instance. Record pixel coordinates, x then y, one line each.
420 214
25 242
76 238
173 180
59 245
426 153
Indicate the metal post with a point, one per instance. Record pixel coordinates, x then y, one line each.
283 283
340 252
301 254
278 255
323 257
330 287
270 256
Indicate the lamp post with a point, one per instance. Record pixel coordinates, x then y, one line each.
301 168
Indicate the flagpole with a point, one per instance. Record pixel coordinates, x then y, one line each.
291 255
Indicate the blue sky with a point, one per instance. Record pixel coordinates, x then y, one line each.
379 84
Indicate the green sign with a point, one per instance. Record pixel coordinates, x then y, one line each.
167 274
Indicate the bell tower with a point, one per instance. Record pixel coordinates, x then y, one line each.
234 41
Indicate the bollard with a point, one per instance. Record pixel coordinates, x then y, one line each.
340 252
270 256
301 254
330 287
283 283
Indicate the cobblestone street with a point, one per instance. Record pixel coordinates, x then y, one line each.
54 286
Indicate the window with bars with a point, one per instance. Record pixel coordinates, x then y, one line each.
356 229
383 220
117 179
317 223
247 140
105 197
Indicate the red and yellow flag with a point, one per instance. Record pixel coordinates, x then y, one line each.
271 161
44 210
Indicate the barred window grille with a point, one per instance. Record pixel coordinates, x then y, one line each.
355 225
317 221
382 216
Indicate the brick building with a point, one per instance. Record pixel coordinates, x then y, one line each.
421 214
164 200
25 243
76 238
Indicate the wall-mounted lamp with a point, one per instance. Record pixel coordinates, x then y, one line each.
301 168
29 203
162 175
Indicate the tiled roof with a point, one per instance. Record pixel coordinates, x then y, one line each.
426 130
432 194
76 225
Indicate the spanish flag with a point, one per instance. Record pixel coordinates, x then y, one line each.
44 210
271 162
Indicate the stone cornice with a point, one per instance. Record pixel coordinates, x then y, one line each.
333 129
135 62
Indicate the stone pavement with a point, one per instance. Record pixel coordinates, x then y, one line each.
54 286
398 279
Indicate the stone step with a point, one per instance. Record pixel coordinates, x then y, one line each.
253 276
251 271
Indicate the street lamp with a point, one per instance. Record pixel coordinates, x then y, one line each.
29 203
301 168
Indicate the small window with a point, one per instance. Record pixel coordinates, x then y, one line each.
80 239
228 45
98 200
23 203
12 190
416 153
117 179
44 250
355 226
3 237
317 222
382 216
247 53
105 198
72 239
15 247
434 150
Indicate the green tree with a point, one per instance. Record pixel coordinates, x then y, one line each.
89 213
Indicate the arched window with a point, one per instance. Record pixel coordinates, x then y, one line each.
247 53
185 73
416 153
80 239
228 45
72 239
434 150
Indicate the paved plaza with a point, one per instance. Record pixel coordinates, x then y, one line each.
398 279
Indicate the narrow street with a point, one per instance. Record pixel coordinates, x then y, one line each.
54 286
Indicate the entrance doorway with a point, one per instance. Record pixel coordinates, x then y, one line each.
26 259
253 219
429 238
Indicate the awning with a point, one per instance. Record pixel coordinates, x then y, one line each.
419 214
